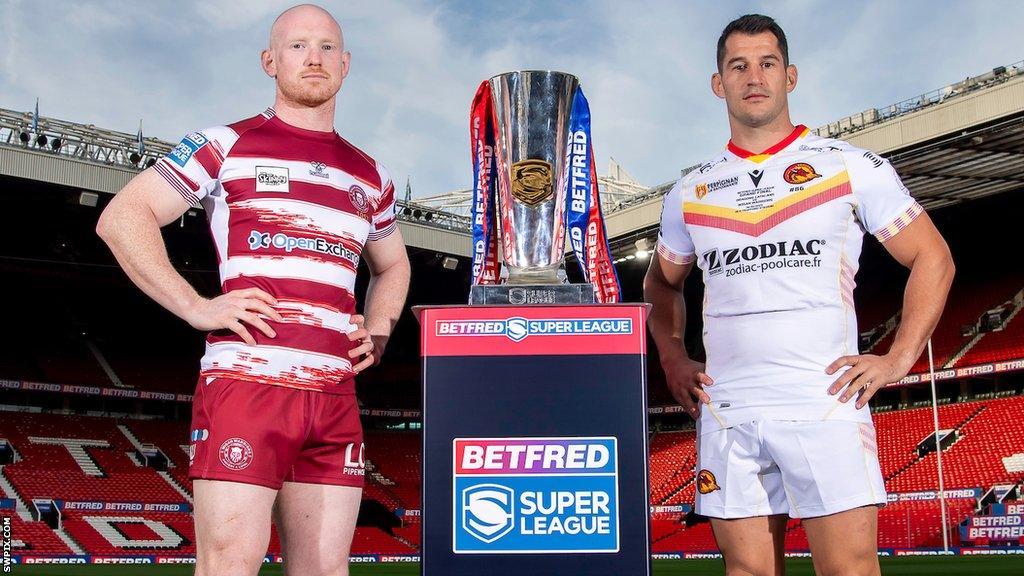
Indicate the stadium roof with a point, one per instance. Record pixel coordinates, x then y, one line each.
956 143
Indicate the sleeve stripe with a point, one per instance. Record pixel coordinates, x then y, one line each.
673 257
384 222
209 158
173 180
384 232
901 222
182 177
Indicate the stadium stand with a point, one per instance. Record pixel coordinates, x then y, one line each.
973 297
103 470
171 438
673 457
140 533
369 540
986 432
1006 344
108 471
35 538
396 457
916 524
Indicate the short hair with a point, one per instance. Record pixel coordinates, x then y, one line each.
753 24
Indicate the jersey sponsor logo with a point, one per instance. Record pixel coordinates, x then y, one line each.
712 261
355 464
707 166
187 147
705 189
518 329
874 159
271 179
706 482
264 240
318 169
755 177
805 147
535 495
800 173
235 454
723 183
763 257
359 200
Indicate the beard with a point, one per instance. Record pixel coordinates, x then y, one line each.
309 94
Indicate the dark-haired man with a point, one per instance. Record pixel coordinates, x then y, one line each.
775 223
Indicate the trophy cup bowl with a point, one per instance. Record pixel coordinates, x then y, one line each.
532 120
532 112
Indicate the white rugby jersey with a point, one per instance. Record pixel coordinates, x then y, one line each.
778 237
290 211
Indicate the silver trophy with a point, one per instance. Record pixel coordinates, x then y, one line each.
532 111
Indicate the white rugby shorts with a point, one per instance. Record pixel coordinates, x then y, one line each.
800 468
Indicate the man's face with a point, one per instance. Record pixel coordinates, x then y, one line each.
308 58
754 81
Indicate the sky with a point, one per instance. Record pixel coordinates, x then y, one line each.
645 67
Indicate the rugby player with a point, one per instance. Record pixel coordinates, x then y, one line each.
292 207
775 223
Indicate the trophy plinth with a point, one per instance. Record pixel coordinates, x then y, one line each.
524 294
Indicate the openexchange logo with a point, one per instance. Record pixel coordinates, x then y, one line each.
517 329
263 240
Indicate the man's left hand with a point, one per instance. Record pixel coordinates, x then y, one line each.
867 373
367 349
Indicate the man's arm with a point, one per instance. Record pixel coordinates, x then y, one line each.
922 249
130 225
663 290
385 295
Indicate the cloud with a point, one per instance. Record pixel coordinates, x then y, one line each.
416 65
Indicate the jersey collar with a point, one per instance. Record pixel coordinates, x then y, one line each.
799 132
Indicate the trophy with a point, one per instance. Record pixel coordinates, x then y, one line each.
531 116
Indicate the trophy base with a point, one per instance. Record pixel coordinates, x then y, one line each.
517 294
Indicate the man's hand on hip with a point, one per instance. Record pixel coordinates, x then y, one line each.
866 374
229 311
368 351
686 381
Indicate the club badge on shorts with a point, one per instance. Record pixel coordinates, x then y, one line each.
706 482
235 454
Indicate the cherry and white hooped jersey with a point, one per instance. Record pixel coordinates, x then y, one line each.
290 211
778 237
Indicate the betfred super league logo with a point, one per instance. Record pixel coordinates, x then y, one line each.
487 511
535 495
